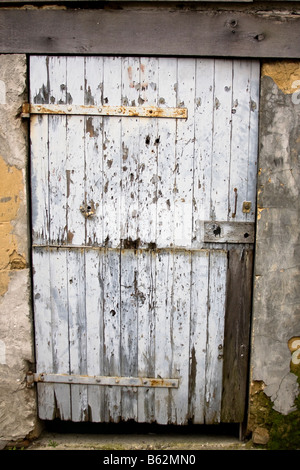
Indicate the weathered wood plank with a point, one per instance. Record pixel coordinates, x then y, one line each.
163 329
228 232
221 140
94 306
253 142
110 278
129 328
148 147
131 152
180 336
150 32
146 292
74 165
184 151
60 331
112 153
57 152
43 330
198 335
204 106
240 135
167 84
215 335
236 335
93 151
77 331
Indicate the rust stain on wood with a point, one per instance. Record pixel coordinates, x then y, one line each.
129 111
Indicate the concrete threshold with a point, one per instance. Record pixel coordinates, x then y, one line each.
133 437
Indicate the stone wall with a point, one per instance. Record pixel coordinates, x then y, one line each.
276 308
17 404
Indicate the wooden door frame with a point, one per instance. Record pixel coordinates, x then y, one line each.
156 30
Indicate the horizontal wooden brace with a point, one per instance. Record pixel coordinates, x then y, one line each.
101 380
213 232
149 31
229 232
130 111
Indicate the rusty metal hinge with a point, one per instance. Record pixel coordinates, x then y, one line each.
147 382
121 111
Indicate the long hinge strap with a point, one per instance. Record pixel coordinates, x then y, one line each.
129 111
100 380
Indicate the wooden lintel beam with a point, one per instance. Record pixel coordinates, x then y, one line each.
162 32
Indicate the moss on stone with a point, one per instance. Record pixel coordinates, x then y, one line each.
284 430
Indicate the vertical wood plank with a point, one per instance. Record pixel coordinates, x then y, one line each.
75 181
43 331
95 261
167 86
93 90
94 305
163 328
253 143
77 331
215 335
113 154
57 153
39 92
75 157
221 139
60 330
112 356
146 293
39 79
236 340
130 146
198 335
149 141
58 233
204 106
112 160
240 133
39 180
184 155
181 336
129 328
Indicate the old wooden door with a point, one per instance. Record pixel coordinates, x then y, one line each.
143 177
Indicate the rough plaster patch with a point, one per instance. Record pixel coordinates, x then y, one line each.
283 73
11 196
277 265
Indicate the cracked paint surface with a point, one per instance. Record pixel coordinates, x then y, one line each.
276 312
